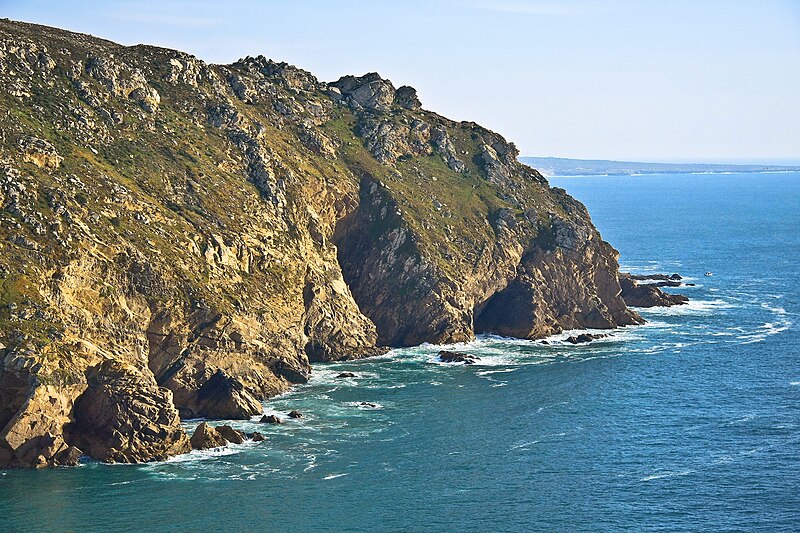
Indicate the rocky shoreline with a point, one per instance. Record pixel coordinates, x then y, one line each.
183 240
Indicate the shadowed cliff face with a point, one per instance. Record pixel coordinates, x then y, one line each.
178 237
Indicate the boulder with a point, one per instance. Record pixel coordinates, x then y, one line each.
295 414
257 437
206 437
407 98
271 419
231 435
345 375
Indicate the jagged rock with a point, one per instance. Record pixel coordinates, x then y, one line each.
123 416
336 329
659 277
257 437
271 419
406 97
295 414
457 357
147 97
445 147
648 295
368 92
206 437
224 397
584 338
231 435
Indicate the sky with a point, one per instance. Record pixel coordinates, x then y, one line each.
641 80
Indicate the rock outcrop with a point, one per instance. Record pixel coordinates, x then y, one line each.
648 295
180 238
457 357
124 416
231 435
206 437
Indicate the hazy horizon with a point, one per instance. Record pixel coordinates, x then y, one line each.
684 82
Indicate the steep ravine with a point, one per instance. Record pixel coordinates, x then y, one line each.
179 239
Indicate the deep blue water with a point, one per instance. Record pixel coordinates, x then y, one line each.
691 422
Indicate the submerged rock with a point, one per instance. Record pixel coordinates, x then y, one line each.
457 357
345 375
584 338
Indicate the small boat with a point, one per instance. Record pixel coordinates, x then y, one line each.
709 274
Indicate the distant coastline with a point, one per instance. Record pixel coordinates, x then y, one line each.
563 167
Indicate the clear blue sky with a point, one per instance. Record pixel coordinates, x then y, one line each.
634 80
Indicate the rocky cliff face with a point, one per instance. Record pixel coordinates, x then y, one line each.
179 238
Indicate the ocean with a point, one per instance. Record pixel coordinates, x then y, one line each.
690 422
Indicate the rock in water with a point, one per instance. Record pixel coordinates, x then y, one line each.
345 375
206 437
271 419
125 417
584 338
457 357
295 414
647 295
231 435
257 437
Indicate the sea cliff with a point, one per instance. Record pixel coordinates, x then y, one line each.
181 239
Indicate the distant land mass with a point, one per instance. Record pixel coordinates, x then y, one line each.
557 166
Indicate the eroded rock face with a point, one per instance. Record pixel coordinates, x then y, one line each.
224 397
123 416
32 437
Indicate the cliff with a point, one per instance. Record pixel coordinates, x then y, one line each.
180 239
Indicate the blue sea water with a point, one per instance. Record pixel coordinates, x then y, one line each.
691 422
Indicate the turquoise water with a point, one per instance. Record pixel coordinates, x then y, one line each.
691 422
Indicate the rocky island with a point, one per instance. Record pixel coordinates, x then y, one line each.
181 239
